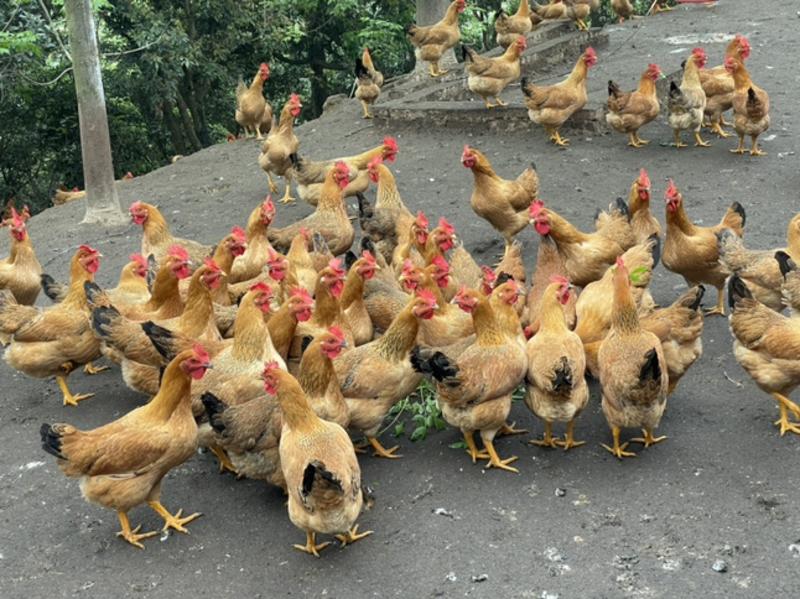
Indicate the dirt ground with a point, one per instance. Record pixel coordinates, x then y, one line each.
714 509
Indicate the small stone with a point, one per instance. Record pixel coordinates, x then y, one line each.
794 549
560 492
440 511
720 566
480 578
451 577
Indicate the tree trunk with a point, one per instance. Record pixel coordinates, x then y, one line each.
428 13
102 203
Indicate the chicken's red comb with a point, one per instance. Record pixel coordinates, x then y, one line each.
305 232
301 293
273 256
211 265
336 266
441 264
560 279
269 367
390 143
590 53
200 353
139 259
294 99
17 219
264 67
87 249
262 287
373 164
137 205
488 273
427 296
744 45
238 234
700 53
467 152
644 179
620 262
408 266
337 333
672 191
342 168
128 175
536 207
178 252
422 220
268 205
445 226
367 256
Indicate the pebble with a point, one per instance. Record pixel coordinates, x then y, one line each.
480 578
440 511
451 577
720 566
560 492
794 549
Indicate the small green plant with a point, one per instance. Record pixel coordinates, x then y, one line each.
426 416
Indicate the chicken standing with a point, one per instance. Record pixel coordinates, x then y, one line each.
629 112
251 263
750 107
156 237
21 272
508 27
551 105
431 42
253 112
121 464
280 144
488 77
687 103
719 86
369 81
623 9
643 224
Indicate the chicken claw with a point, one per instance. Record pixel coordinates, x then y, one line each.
508 429
92 369
754 151
569 441
352 536
785 424
788 404
547 440
472 449
618 450
648 438
678 143
699 141
560 141
717 128
69 398
500 102
495 461
223 459
641 141
311 546
132 536
381 451
632 141
173 521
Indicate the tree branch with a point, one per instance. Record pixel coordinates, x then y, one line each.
132 50
53 30
294 61
11 20
46 83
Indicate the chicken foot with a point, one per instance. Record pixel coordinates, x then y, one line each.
311 546
635 141
648 439
556 138
287 196
786 405
69 398
547 440
699 142
569 440
435 71
508 429
678 143
472 448
754 149
92 369
494 459
223 459
365 106
352 536
618 450
173 521
717 128
381 451
132 535
719 309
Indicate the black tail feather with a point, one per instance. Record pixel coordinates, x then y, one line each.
364 207
651 369
621 206
524 86
739 209
304 343
361 70
349 259
51 440
655 248
441 367
161 339
464 53
93 292
737 290
695 305
418 362
367 245
785 263
52 288
562 377
314 469
102 317
214 408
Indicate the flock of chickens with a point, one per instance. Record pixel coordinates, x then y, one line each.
268 347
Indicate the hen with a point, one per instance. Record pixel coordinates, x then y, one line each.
431 42
719 87
488 77
549 264
623 9
643 224
368 82
251 263
280 144
687 103
252 111
508 27
630 111
360 270
156 237
750 107
21 272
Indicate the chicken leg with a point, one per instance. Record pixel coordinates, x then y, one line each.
678 143
69 398
754 150
508 429
311 546
641 141
784 423
717 128
547 440
740 148
494 459
365 106
648 439
173 521
352 536
472 449
632 141
132 536
719 309
381 451
92 369
273 188
569 440
699 142
618 450
287 196
556 138
223 459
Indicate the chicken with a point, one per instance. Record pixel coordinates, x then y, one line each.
300 260
630 111
360 270
369 396
63 196
508 27
121 464
556 390
578 11
791 281
251 263
758 268
687 103
317 376
633 373
488 77
320 467
296 308
310 175
623 9
553 11
691 251
226 251
643 224
511 263
586 255
156 237
329 219
719 87
21 272
475 387
252 110
368 82
504 203
58 339
551 105
549 264
750 107
767 345
431 42
279 145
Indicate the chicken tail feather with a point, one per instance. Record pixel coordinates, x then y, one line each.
102 318
651 369
316 474
737 290
51 440
785 263
53 289
161 338
214 408
562 376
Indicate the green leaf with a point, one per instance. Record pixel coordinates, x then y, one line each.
419 434
458 445
637 274
399 429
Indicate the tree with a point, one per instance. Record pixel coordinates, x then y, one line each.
102 203
430 11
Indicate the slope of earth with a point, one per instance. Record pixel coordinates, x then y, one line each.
721 490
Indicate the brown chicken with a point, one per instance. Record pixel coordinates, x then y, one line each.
251 263
719 87
253 112
226 251
62 195
431 42
551 105
320 467
488 77
791 281
156 237
556 390
686 103
475 388
56 340
750 107
623 9
360 270
630 111
317 376
554 10
758 268
643 224
549 264
279 145
691 251
578 11
767 345
504 203
369 81
21 272
370 397
508 27
296 308
121 464
329 219
633 373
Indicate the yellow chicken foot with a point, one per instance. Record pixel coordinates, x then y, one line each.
784 423
173 521
272 185
69 398
717 128
311 546
719 309
508 429
352 536
641 141
788 404
560 141
648 438
699 142
132 536
678 143
618 450
500 102
258 132
569 440
472 449
92 369
632 141
223 459
754 151
365 106
740 148
724 123
381 451
488 104
287 196
547 440
495 461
